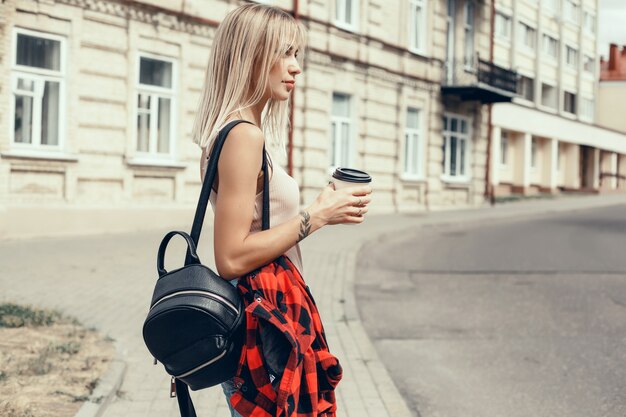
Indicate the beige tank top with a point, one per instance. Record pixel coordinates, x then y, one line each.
284 205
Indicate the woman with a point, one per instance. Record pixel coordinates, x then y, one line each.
252 69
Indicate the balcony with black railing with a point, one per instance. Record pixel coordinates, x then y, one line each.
479 80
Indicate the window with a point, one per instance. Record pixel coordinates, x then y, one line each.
503 26
417 25
571 57
569 102
571 10
533 153
346 13
38 86
589 22
586 109
504 148
558 156
527 36
469 35
550 46
589 64
450 43
526 88
341 128
413 144
155 106
548 96
456 136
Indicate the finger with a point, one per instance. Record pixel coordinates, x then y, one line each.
360 201
361 190
355 219
358 211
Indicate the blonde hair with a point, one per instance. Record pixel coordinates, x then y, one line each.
248 42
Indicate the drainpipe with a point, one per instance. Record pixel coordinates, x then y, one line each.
292 109
489 189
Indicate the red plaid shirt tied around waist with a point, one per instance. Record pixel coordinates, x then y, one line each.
276 295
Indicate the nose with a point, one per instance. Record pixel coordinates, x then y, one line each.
294 67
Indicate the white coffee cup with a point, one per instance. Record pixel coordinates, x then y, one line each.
349 177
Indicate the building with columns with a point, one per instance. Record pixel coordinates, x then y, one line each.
98 97
547 139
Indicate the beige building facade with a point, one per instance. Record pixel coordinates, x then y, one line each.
547 140
98 99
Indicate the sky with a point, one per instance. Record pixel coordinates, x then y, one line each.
611 24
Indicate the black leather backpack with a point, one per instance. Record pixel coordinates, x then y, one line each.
196 323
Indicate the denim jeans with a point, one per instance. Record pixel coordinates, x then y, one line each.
229 388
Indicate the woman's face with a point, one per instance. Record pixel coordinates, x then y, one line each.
283 75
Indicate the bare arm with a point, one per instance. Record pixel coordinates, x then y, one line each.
237 251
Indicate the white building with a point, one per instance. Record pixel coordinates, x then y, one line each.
547 140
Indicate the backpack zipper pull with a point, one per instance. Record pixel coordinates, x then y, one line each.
173 388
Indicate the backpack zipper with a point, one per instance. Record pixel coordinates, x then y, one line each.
197 368
199 292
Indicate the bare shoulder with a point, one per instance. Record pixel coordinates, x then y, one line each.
246 134
243 149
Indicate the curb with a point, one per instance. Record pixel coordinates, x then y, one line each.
105 390
387 390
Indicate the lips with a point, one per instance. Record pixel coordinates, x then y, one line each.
292 83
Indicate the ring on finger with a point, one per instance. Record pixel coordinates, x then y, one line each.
359 213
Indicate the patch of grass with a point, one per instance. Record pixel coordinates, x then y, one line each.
70 348
39 365
15 410
41 349
13 315
43 363
74 398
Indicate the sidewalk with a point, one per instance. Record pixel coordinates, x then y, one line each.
106 282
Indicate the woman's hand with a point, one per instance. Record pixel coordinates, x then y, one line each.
344 206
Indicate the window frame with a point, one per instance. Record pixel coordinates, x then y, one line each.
572 100
585 21
336 145
469 33
586 103
467 137
574 65
556 97
417 147
505 19
352 27
520 83
525 28
419 28
545 43
39 76
158 92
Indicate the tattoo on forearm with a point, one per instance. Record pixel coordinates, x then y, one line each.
305 226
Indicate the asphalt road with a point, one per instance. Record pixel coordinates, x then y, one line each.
503 318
